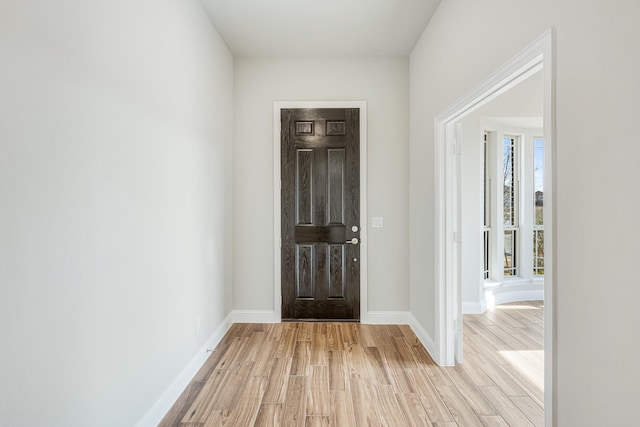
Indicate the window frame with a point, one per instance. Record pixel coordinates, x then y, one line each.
487 208
538 229
513 227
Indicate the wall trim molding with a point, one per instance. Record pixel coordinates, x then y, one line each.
474 307
373 317
254 316
388 318
427 340
497 298
173 392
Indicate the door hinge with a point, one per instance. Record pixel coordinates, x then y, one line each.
456 237
454 148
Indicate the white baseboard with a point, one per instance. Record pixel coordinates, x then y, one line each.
474 307
254 316
270 316
404 318
424 337
387 318
171 395
497 298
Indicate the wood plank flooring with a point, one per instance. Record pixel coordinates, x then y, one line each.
348 374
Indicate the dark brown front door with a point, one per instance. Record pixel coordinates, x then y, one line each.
320 172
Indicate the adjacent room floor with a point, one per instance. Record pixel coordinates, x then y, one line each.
348 374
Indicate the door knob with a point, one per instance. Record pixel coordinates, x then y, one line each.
353 241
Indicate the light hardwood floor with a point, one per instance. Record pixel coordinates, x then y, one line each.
348 374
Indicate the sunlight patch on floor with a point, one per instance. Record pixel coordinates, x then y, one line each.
529 363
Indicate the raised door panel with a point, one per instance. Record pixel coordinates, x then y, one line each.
335 175
305 274
336 271
304 187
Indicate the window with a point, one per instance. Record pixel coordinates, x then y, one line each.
538 204
510 204
513 204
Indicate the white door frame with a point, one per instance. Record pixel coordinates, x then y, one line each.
540 55
277 277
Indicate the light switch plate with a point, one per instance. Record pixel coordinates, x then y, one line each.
377 222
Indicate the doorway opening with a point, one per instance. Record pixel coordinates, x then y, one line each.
538 57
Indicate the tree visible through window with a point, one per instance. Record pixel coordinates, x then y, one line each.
538 206
510 205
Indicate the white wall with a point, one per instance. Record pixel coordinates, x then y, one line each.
519 106
115 198
598 103
383 83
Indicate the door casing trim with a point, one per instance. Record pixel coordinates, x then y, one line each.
277 229
539 54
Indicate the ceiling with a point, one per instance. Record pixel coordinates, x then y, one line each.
320 27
